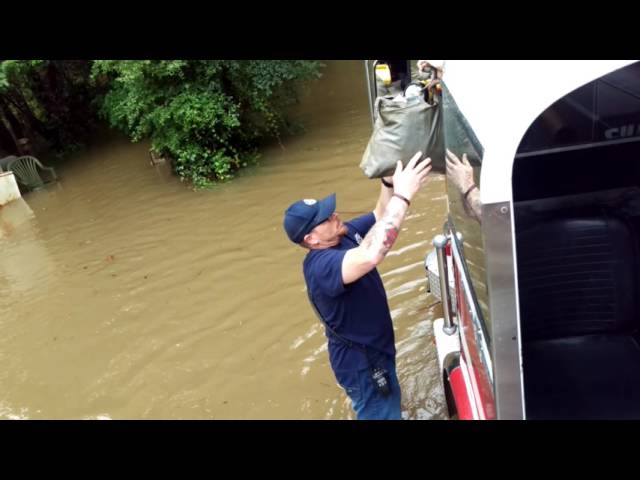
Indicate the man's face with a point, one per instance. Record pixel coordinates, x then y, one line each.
328 233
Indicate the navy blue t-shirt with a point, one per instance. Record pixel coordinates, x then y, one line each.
358 311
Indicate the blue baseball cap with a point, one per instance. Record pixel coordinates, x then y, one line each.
305 215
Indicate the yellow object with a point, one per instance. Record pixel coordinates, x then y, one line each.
384 74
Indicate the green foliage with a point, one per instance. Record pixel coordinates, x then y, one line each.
49 99
208 116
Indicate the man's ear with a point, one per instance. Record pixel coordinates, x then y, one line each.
309 240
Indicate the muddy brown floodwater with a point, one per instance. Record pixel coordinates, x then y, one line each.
124 294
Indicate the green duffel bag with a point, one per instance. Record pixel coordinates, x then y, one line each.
403 126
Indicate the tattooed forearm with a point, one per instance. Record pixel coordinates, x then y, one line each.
391 233
384 233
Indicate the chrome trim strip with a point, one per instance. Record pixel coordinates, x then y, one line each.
499 242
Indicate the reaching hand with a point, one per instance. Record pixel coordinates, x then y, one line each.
423 65
408 181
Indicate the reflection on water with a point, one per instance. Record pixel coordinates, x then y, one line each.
28 267
126 295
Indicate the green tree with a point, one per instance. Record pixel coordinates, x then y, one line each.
209 116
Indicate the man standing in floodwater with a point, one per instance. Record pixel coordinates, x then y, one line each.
346 290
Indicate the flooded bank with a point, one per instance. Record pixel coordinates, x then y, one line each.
127 295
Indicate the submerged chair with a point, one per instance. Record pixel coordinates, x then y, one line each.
26 171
